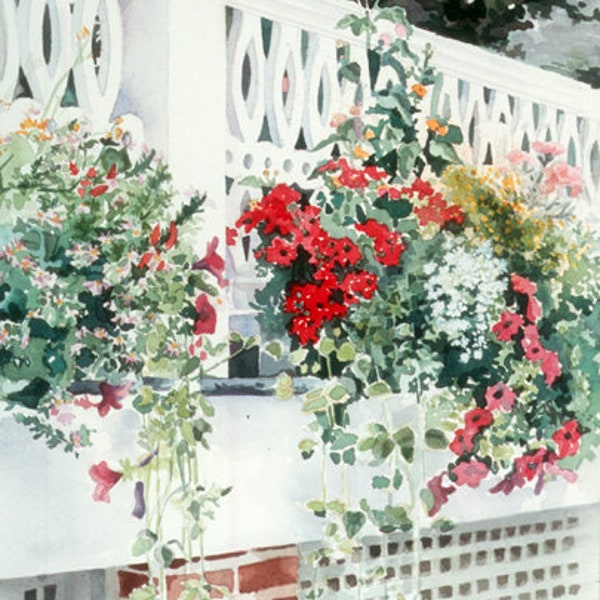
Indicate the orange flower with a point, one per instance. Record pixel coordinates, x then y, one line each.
419 90
436 127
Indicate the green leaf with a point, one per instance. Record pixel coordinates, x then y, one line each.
379 388
187 432
307 448
351 72
284 387
397 482
317 506
190 365
349 456
337 394
315 402
405 439
327 346
343 440
346 352
354 522
436 439
207 408
380 483
444 151
274 349
336 506
164 555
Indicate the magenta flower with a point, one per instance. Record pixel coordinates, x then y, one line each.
105 479
534 309
508 326
439 491
206 317
522 285
112 396
470 473
212 262
500 396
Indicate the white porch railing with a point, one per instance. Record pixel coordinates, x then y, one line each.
283 87
40 41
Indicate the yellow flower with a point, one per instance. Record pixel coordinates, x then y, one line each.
369 134
83 33
360 153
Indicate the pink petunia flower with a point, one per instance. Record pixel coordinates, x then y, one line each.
112 395
508 326
531 343
206 316
439 491
567 439
470 473
547 148
500 396
551 366
462 442
105 479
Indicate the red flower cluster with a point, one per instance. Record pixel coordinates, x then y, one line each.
333 280
435 209
350 177
512 325
476 420
91 184
387 244
154 256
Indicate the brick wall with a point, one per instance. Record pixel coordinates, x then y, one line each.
260 574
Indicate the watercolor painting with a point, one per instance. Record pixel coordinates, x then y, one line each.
299 300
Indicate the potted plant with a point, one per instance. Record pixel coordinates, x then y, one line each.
407 277
108 298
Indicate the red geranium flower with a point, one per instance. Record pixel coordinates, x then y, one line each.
280 252
105 479
230 236
530 465
567 439
206 318
353 179
508 326
387 244
363 283
462 442
334 165
438 211
375 173
419 187
500 396
470 473
478 418
306 329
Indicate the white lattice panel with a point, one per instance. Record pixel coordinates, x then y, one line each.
535 556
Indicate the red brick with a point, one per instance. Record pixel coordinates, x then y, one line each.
223 556
269 573
129 581
175 583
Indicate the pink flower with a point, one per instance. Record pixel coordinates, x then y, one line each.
500 396
534 309
462 442
567 439
337 119
401 31
470 473
385 39
477 419
212 262
551 366
562 175
231 234
522 285
547 148
555 470
518 157
105 479
530 465
508 326
531 343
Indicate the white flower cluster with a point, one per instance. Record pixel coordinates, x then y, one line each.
465 294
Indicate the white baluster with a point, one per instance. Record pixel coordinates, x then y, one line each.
47 81
284 68
9 50
245 115
320 75
97 92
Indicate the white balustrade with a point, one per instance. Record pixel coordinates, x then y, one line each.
42 40
291 90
